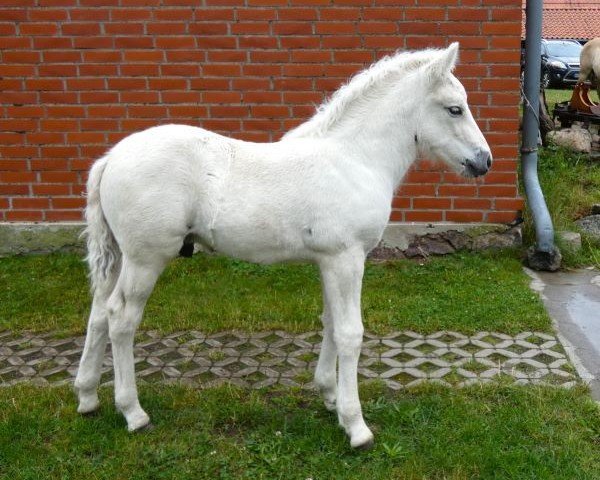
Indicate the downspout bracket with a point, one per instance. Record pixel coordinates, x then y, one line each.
528 150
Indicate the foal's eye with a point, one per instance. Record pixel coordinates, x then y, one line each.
455 111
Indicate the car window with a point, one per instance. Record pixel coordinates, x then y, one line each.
563 49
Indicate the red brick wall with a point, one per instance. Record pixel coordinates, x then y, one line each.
78 75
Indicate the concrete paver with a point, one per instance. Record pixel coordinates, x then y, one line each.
257 360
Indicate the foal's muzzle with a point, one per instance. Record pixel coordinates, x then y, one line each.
479 165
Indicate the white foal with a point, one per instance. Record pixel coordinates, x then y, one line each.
322 194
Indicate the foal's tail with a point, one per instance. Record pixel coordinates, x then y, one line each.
104 254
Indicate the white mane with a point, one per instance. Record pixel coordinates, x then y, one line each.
361 87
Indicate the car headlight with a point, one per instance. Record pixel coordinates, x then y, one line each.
557 64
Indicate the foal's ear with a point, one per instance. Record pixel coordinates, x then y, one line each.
444 63
451 56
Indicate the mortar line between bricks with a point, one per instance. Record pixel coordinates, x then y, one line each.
255 360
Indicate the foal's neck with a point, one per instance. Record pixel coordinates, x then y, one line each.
386 140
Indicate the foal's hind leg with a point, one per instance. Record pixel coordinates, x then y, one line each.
126 306
89 371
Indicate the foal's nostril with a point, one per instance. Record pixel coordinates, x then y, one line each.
484 157
476 167
484 161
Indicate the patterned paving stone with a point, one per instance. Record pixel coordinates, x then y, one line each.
262 359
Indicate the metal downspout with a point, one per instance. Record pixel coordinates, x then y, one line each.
544 255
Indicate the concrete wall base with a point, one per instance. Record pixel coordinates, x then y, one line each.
414 240
400 240
30 238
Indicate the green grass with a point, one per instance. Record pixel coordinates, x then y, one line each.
464 292
554 96
486 432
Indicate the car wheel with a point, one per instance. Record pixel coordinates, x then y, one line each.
546 81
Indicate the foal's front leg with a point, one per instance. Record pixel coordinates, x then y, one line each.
342 281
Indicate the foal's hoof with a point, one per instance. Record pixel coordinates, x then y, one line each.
138 421
90 413
363 442
330 405
144 428
88 409
365 447
89 403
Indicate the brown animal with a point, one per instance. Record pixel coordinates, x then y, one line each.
590 63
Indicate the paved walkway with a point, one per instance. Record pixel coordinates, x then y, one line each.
572 299
258 360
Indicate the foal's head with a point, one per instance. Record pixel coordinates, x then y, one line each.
447 130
